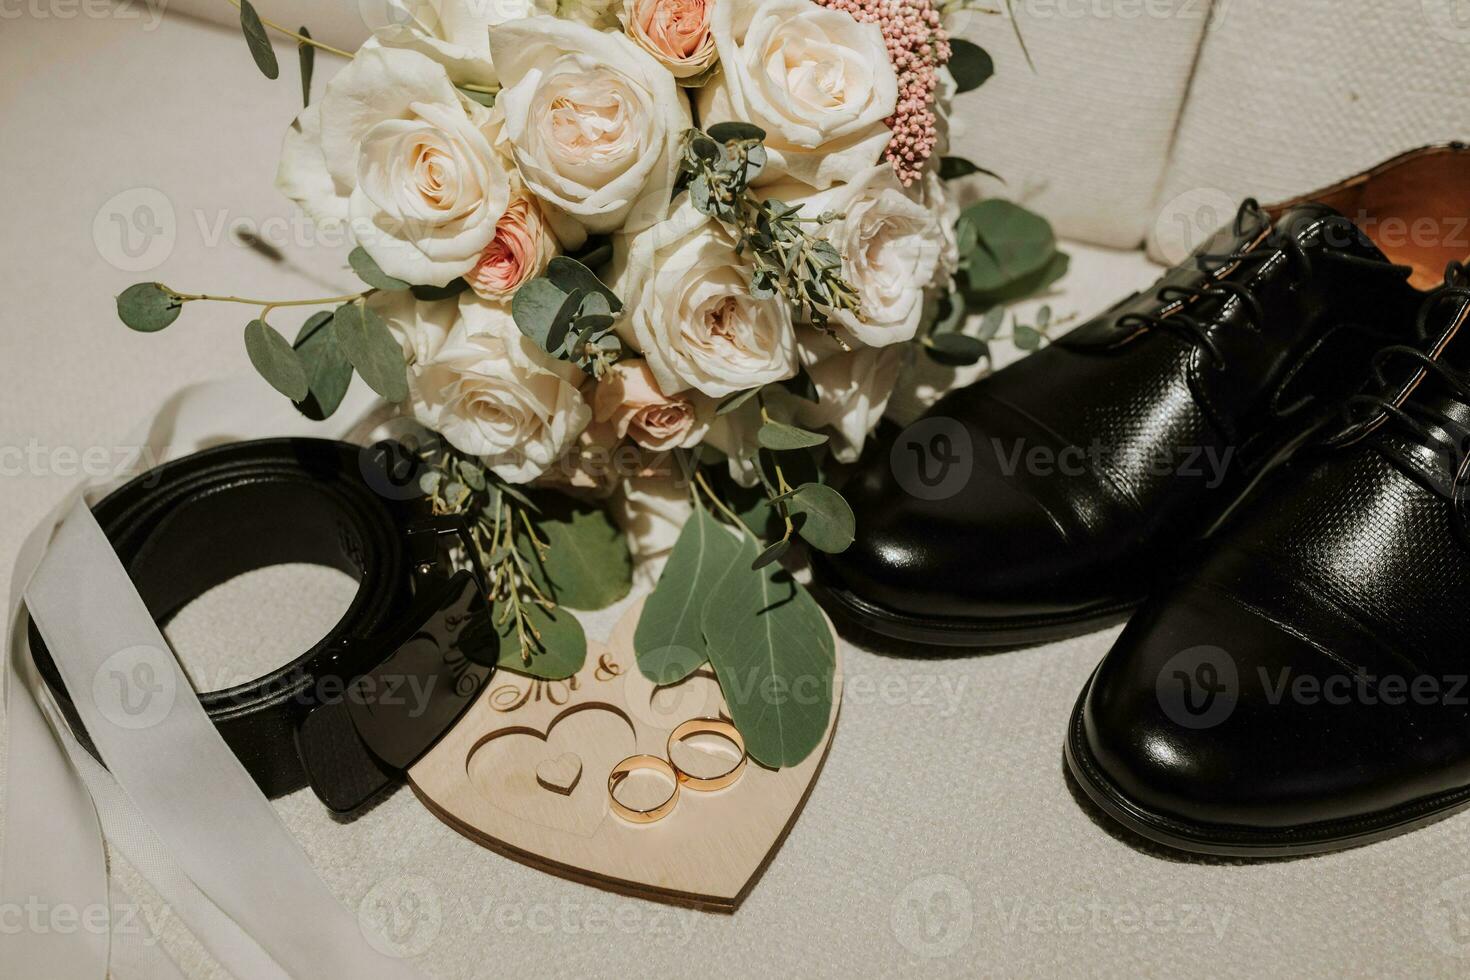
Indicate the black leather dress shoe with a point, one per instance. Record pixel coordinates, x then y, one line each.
1305 685
1048 498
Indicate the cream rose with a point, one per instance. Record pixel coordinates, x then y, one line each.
853 388
891 246
393 148
629 399
520 250
594 124
455 33
690 311
491 393
815 79
676 32
651 510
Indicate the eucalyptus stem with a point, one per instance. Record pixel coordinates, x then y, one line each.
300 38
719 504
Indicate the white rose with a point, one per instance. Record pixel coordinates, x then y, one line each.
492 393
891 246
594 124
852 388
455 33
651 510
690 311
815 79
421 326
395 149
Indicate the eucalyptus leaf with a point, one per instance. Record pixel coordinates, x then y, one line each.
259 41
970 64
956 349
148 307
733 401
434 293
827 522
991 322
587 563
368 271
275 359
781 436
953 168
570 275
1031 285
1026 337
328 372
669 641
371 349
1011 243
306 55
561 323
725 132
535 307
562 646
774 656
772 553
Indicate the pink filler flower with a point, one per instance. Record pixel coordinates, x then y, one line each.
918 46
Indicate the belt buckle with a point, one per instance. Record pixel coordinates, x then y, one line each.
435 661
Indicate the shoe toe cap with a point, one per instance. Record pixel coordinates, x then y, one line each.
1200 714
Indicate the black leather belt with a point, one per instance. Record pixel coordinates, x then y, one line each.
416 645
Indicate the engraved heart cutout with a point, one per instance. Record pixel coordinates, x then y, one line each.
560 775
524 773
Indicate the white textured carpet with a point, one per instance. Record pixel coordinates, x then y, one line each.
942 836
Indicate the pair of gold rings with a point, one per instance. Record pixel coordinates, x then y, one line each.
670 769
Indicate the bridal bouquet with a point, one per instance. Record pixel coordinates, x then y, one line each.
646 269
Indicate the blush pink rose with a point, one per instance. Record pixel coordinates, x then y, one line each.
520 250
676 32
629 398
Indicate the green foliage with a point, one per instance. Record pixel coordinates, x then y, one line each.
306 55
559 637
584 561
670 641
971 65
570 313
823 518
371 348
276 360
368 271
148 306
258 41
781 436
773 653
328 372
805 270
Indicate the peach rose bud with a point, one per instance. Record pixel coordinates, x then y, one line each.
676 32
629 398
520 250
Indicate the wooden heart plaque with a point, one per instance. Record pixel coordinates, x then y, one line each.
525 773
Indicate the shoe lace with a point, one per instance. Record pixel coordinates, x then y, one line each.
1194 330
1417 417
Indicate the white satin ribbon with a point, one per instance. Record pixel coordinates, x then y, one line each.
174 800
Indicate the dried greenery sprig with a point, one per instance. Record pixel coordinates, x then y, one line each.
716 167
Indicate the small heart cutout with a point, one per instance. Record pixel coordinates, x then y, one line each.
560 775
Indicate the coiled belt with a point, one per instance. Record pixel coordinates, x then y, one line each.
415 646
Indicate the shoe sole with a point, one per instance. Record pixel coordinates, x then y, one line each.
978 633
1225 840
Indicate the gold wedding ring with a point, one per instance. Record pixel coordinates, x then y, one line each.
633 763
708 726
